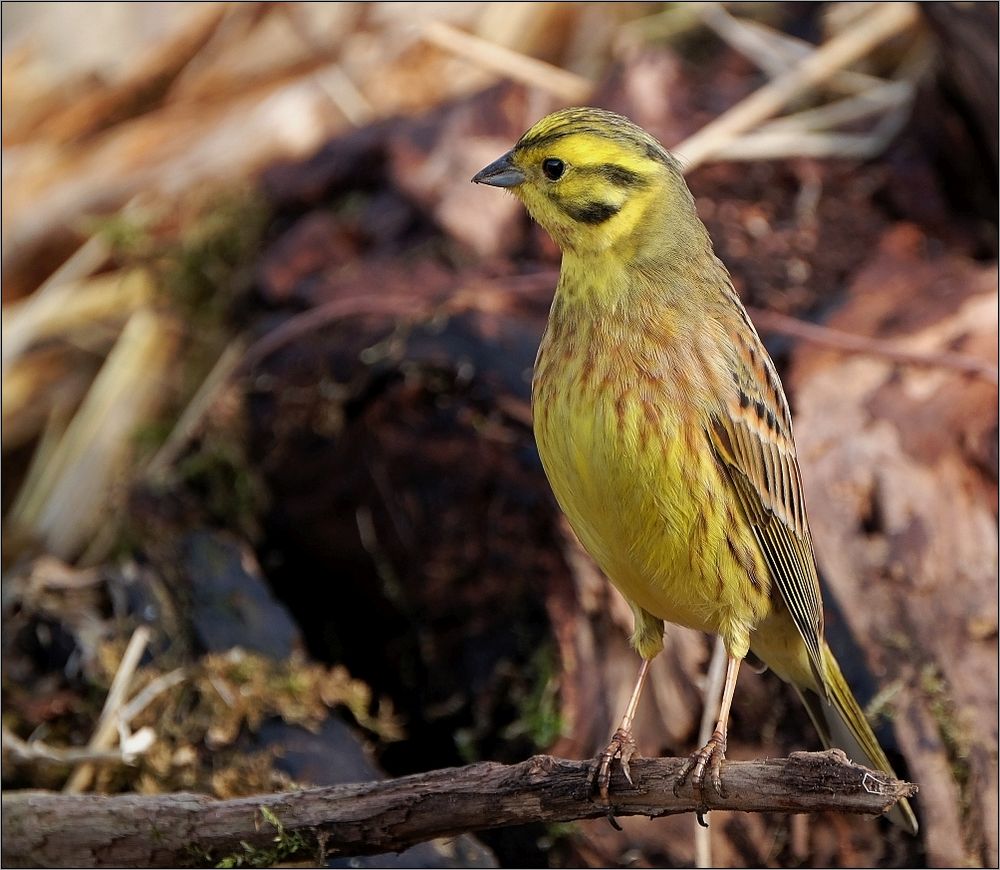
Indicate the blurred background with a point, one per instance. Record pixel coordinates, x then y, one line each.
272 510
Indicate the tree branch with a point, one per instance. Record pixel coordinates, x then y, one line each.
773 321
47 829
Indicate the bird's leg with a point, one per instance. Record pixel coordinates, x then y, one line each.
712 753
622 745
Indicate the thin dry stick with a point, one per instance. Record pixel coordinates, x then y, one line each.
664 26
504 61
748 41
369 818
71 310
881 24
772 321
772 50
332 79
781 144
86 259
82 263
149 694
479 295
340 89
315 318
888 95
64 504
200 404
107 724
37 750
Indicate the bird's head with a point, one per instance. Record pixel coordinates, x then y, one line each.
590 178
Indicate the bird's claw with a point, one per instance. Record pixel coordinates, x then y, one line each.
622 747
710 756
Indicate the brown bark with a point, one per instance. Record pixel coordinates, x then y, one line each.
899 466
52 830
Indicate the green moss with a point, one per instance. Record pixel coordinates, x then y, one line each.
953 731
286 845
201 255
195 856
128 233
883 706
539 717
214 259
229 492
555 834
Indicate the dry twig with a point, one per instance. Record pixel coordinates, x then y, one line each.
774 51
107 724
322 315
829 58
197 409
39 751
772 321
370 818
504 61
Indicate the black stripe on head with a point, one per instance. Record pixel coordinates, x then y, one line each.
639 140
599 122
655 152
592 213
615 174
550 136
621 176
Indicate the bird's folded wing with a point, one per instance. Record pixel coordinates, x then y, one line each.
753 443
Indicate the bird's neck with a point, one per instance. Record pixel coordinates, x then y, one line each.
667 264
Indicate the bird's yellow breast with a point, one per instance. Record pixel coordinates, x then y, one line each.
635 477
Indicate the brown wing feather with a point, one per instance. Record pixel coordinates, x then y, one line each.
753 442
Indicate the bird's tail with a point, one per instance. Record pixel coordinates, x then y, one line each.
841 723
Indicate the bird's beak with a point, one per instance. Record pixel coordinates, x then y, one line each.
500 173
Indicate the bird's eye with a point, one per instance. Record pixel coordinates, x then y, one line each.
552 168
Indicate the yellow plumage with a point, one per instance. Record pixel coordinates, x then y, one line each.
662 424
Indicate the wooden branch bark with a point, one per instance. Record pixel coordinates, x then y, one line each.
52 830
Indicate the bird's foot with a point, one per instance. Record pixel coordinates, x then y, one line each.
710 758
622 747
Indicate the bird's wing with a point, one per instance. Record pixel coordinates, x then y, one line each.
752 439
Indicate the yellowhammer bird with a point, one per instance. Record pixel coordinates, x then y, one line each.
664 430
